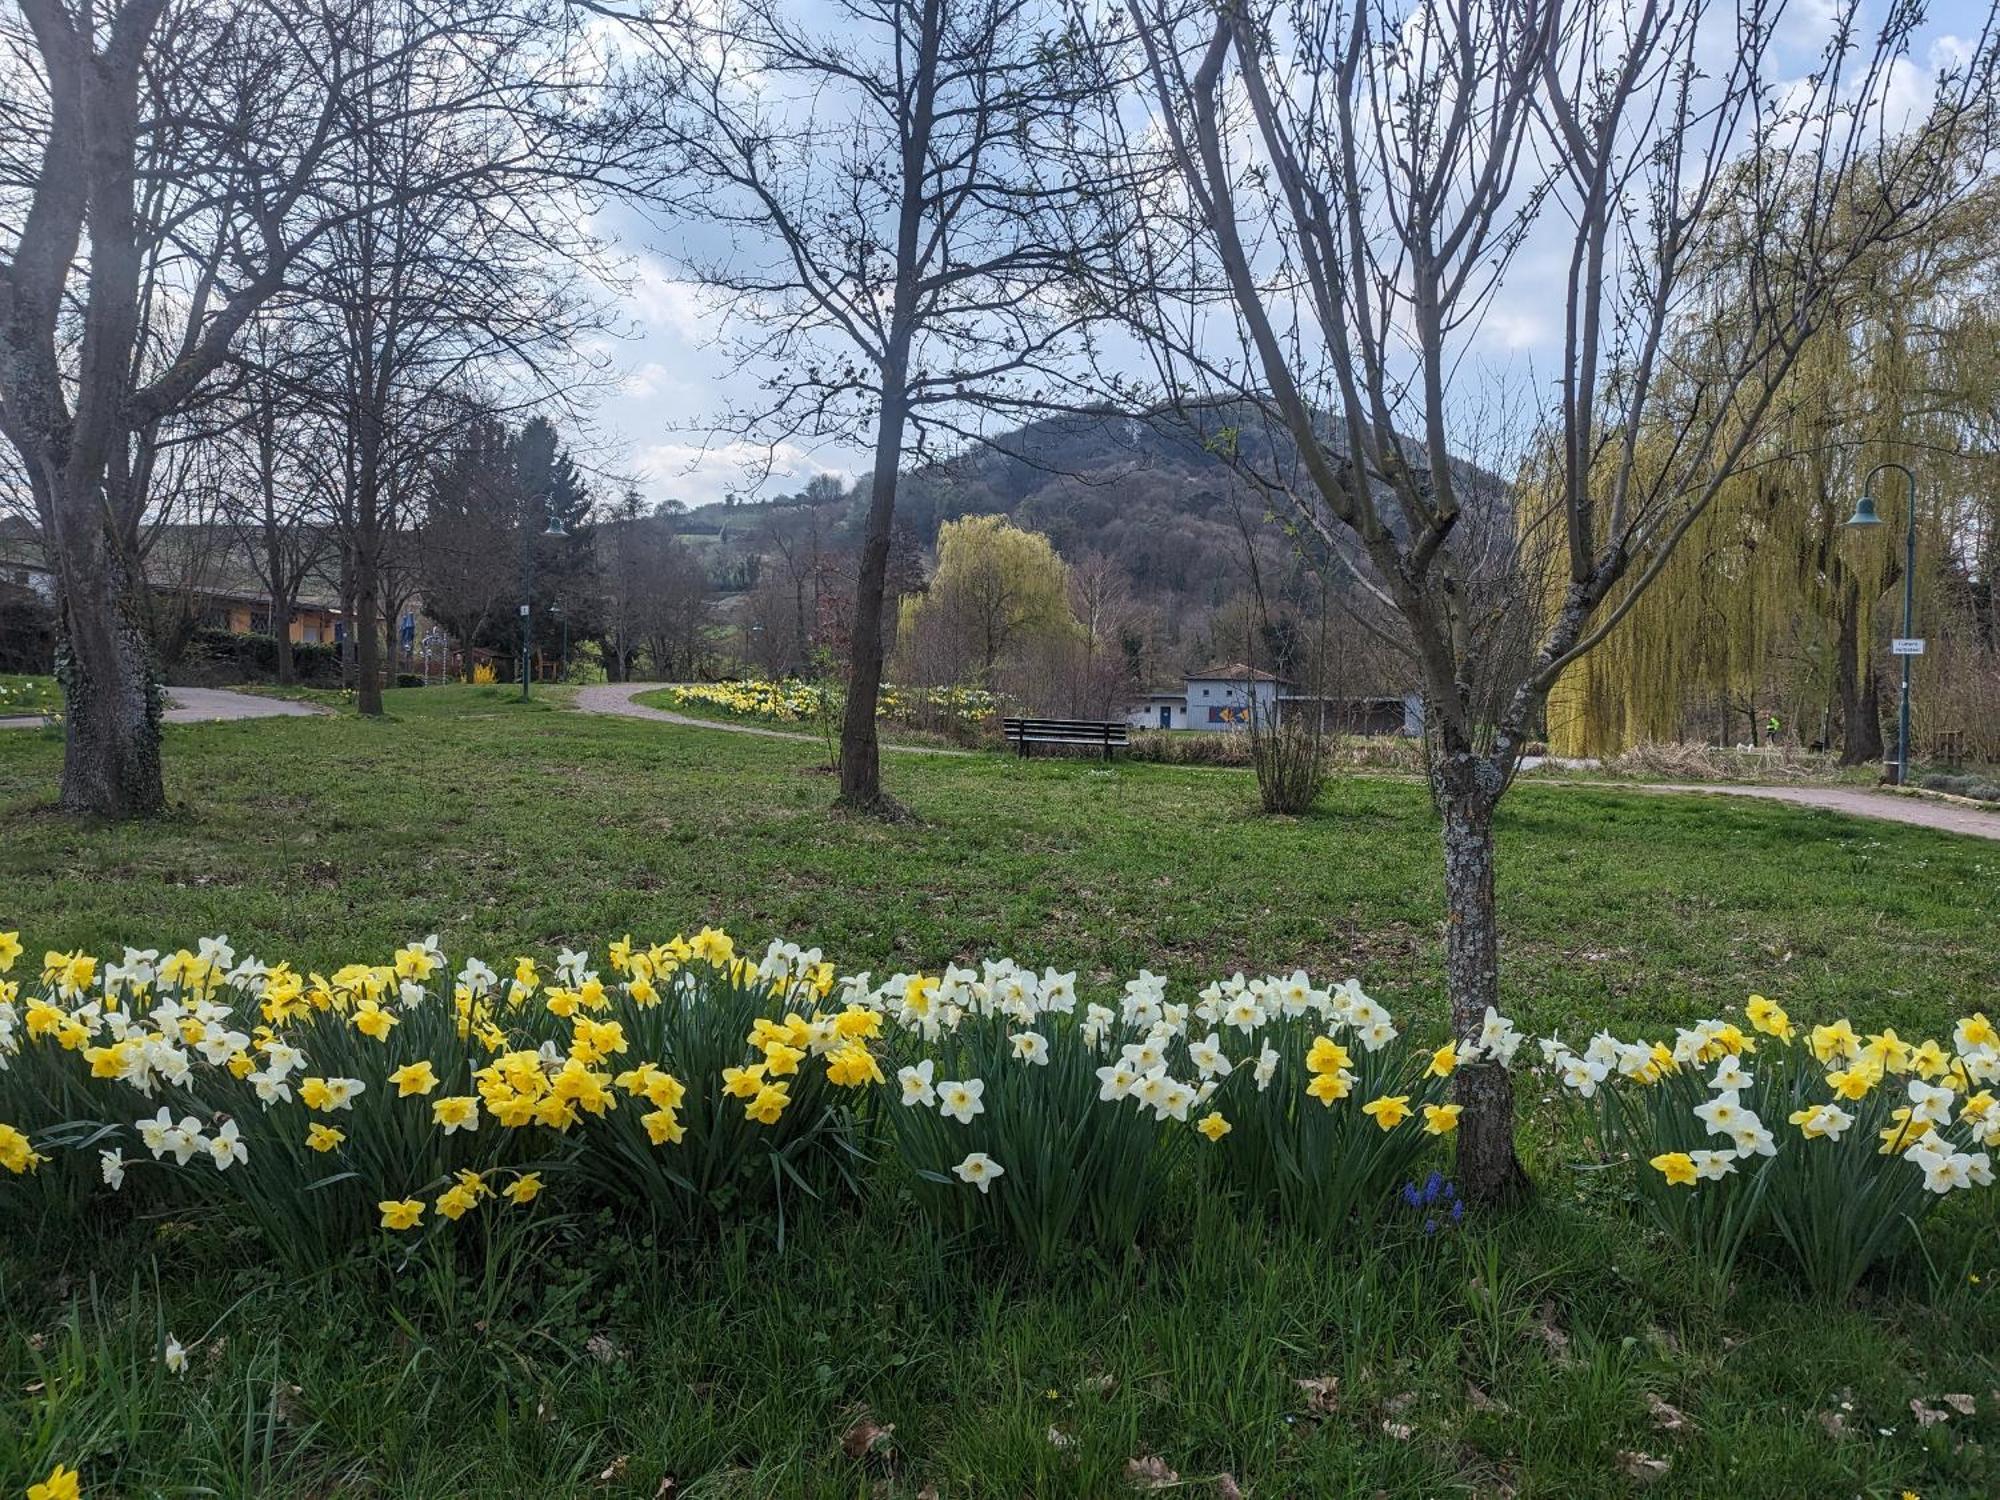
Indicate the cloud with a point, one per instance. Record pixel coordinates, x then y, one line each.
702 473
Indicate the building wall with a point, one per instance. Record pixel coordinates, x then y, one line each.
1225 703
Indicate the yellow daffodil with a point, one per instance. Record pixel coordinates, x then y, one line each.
455 1202
10 950
523 1189
1441 1119
401 1213
1327 1087
324 1137
414 1078
1443 1061
456 1112
1389 1111
663 1127
62 1484
1213 1126
1326 1056
1677 1167
769 1104
743 1083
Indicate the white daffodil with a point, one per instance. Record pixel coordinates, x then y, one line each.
961 1100
1751 1138
226 1148
1206 1055
979 1169
1267 1067
1729 1076
1723 1113
1377 1034
271 1088
1058 992
1031 1047
1713 1165
916 1084
1115 1081
174 1357
1930 1104
153 1133
112 1165
1244 1013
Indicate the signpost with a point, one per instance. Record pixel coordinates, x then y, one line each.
1907 646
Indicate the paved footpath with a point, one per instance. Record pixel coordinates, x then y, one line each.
1889 807
190 705
616 698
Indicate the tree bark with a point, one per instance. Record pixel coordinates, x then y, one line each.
1467 786
111 691
860 746
1860 716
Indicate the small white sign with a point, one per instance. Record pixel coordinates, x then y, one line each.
524 615
1906 646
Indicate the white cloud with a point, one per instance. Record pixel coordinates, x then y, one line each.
702 473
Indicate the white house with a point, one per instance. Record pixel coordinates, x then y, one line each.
1218 697
1222 697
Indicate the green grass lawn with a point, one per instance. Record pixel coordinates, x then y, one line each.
1525 1356
23 695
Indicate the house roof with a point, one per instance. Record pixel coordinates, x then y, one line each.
1234 671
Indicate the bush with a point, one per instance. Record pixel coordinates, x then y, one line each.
216 657
410 679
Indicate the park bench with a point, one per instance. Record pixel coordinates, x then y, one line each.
1091 734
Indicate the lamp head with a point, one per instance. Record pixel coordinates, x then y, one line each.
1864 513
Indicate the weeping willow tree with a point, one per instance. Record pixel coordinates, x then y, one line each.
1772 605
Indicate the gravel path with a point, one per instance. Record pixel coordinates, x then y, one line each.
616 698
190 705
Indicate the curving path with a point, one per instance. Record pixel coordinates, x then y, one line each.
1887 807
192 705
616 698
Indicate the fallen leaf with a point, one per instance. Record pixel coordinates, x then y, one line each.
1478 1400
601 1349
615 1470
1149 1473
1225 1488
1961 1403
1927 1416
1641 1467
1059 1439
1834 1423
1667 1417
866 1436
1402 1432
669 1488
1322 1393
928 1492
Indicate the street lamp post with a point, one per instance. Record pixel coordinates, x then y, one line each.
528 534
561 614
1865 514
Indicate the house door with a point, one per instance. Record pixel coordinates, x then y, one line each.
1166 716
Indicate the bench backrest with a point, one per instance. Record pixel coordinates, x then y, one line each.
1083 731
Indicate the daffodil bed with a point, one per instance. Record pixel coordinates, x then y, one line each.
693 1080
795 701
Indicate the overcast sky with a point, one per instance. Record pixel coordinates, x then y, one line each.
674 381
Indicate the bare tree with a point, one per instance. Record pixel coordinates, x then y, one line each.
1357 179
888 184
226 142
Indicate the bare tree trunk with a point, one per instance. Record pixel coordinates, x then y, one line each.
1466 786
367 632
860 747
111 692
1860 718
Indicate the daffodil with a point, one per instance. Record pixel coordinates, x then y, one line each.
980 1170
523 1189
324 1137
961 1100
414 1078
1327 1087
1441 1119
174 1357
1677 1167
401 1213
769 1104
1389 1111
456 1112
62 1484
